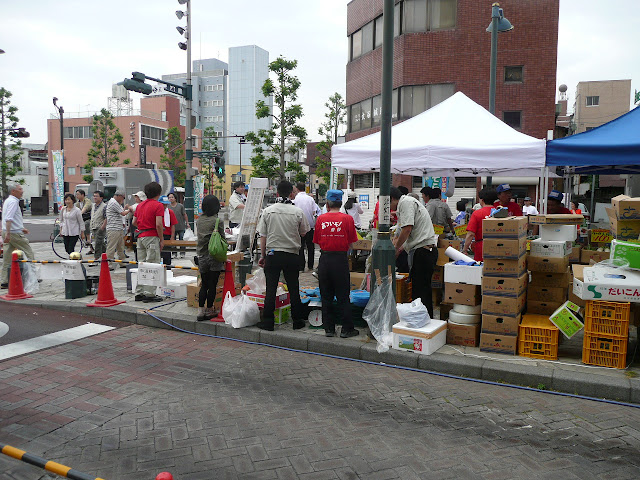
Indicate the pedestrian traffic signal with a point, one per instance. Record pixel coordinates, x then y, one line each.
636 97
136 83
19 133
219 166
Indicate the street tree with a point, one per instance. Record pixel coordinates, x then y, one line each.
285 136
329 130
174 156
107 144
11 148
210 144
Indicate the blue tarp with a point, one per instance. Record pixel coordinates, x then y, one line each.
610 149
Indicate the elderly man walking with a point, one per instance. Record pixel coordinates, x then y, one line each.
15 235
115 226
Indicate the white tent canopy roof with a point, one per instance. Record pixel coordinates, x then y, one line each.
457 137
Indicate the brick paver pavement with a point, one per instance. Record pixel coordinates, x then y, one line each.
136 401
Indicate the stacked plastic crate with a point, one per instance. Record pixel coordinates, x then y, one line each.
606 334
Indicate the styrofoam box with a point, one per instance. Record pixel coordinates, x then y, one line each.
550 248
471 275
562 233
172 290
424 341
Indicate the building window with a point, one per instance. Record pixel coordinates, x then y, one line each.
589 128
376 113
212 103
513 119
365 114
367 38
354 125
377 32
163 116
77 132
418 98
152 136
356 44
428 15
71 170
213 88
593 101
366 180
513 74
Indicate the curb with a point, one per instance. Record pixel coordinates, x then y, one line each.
585 383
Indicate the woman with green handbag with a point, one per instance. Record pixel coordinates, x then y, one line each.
210 266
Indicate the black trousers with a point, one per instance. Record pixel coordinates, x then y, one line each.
307 241
287 263
208 288
424 263
70 242
333 276
166 256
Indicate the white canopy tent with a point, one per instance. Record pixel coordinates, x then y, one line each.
457 137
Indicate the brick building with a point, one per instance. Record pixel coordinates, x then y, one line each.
441 47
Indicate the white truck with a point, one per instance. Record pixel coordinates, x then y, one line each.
131 180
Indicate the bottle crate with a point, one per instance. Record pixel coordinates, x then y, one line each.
604 351
607 318
538 337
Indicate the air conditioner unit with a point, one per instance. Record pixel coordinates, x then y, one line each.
106 174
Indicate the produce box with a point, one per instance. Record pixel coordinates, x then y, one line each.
542 307
500 267
623 229
512 227
556 219
356 278
505 306
505 286
462 294
455 244
568 319
442 257
549 265
504 247
609 284
362 245
550 248
423 341
282 315
563 233
574 256
626 207
551 279
463 274
586 256
491 342
626 252
193 290
543 293
466 335
281 300
500 325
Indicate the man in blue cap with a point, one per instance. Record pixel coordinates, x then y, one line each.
554 203
504 200
335 232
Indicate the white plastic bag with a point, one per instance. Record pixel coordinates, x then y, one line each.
414 314
189 236
240 311
30 278
380 313
258 283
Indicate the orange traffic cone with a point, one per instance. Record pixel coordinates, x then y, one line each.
106 298
16 290
229 286
164 476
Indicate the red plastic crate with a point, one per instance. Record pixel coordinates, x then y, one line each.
604 351
607 318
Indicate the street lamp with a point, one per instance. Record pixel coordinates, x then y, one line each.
498 24
61 113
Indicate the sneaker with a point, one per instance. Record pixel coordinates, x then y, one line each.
265 326
349 333
4 285
330 333
139 297
155 298
298 324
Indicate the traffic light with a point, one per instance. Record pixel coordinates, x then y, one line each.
219 167
136 83
19 133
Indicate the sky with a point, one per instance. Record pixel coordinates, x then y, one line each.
76 49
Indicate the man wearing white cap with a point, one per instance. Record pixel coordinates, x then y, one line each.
504 200
529 208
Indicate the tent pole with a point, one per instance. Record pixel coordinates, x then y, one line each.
592 210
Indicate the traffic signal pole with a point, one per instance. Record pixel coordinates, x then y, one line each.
188 184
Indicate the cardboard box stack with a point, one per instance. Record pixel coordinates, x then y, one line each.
462 293
504 282
549 262
624 217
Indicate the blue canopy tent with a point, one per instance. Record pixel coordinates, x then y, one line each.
610 149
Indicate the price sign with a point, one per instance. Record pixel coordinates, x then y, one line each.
151 274
601 235
72 270
461 231
385 210
439 229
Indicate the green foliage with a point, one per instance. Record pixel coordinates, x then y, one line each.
10 148
285 136
88 178
107 144
297 173
322 189
335 118
174 156
209 143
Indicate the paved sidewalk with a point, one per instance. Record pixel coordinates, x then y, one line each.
567 375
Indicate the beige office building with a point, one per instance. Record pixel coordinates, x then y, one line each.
600 102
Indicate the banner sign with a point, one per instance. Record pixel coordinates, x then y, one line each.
58 176
198 193
364 201
437 182
72 270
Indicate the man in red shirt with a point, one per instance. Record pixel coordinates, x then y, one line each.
148 218
335 232
504 200
488 197
554 203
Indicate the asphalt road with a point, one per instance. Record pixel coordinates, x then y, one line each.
40 229
135 401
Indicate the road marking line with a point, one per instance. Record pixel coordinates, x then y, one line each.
52 340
